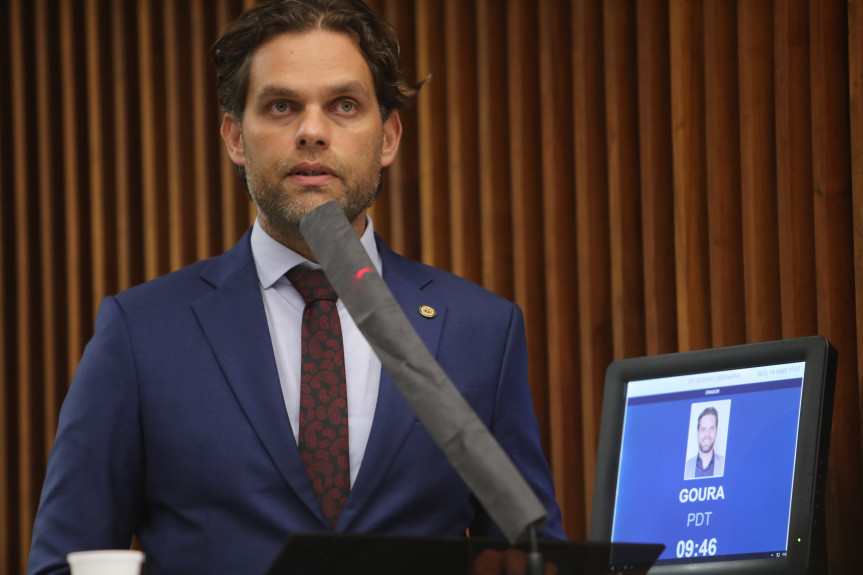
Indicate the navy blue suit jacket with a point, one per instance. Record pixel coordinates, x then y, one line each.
174 427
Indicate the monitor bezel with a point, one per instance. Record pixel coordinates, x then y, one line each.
816 407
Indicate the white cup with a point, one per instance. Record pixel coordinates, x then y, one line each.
106 562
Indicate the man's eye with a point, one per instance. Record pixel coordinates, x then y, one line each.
346 107
280 107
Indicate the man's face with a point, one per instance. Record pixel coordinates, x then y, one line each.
312 130
707 432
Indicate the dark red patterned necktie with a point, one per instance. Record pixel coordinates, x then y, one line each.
323 437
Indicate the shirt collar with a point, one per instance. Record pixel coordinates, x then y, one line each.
273 260
700 464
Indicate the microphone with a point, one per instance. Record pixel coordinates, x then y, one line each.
448 418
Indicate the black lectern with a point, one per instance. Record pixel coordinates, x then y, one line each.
366 554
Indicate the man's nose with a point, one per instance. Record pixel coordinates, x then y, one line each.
314 131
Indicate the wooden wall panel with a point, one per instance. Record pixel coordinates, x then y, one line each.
722 130
692 261
152 131
8 387
641 177
527 208
205 138
181 239
855 57
758 172
834 262
656 165
48 185
124 186
432 109
592 226
794 168
402 181
624 191
78 277
462 139
495 197
26 280
559 240
101 149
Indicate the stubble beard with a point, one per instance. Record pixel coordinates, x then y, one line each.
282 205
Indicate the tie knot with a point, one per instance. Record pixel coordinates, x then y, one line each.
312 284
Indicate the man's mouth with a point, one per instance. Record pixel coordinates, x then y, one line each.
310 169
311 174
308 173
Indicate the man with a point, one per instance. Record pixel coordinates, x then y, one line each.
183 422
707 462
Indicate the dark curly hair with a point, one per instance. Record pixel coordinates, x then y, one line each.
232 52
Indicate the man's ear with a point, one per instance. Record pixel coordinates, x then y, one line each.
392 137
232 134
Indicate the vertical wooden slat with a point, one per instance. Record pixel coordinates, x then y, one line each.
153 175
527 188
48 228
128 181
657 200
855 57
432 111
203 137
723 173
794 168
179 147
462 140
77 281
8 354
592 229
7 330
758 178
100 149
496 211
403 177
122 185
834 261
624 194
560 265
24 287
690 205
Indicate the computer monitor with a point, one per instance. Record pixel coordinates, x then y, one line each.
720 455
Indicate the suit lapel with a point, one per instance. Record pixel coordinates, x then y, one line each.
234 322
393 417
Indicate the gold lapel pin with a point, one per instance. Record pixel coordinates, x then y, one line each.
427 311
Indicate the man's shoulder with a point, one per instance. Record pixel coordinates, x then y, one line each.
689 469
191 281
400 270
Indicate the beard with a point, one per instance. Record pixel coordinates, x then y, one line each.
706 447
282 205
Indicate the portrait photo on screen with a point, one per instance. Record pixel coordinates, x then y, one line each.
708 437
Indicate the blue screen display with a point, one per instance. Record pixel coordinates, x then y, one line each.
743 429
